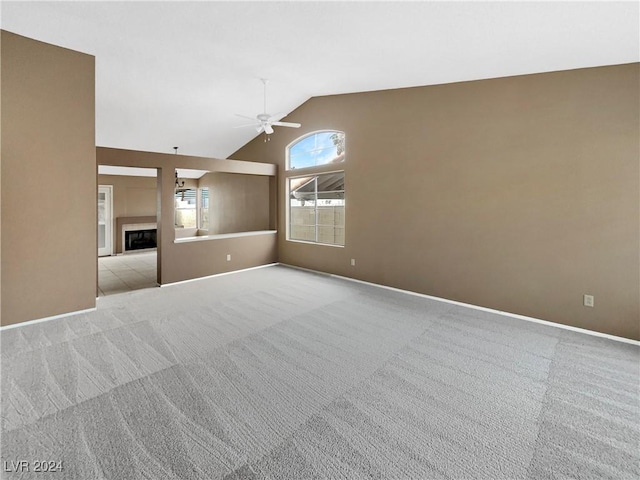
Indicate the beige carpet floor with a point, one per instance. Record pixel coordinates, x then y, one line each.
283 374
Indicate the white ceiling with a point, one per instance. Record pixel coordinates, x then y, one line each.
175 73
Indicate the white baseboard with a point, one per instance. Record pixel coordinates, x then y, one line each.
408 292
217 275
475 307
46 319
62 315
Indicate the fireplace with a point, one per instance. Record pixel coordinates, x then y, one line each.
139 237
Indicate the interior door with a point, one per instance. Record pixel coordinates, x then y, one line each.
105 220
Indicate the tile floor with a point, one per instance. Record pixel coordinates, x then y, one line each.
123 273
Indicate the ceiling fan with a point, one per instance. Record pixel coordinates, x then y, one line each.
264 122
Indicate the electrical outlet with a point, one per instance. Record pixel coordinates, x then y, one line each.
353 262
228 257
588 300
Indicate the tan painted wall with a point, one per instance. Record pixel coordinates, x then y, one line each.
184 261
237 203
48 180
519 194
1 36
132 197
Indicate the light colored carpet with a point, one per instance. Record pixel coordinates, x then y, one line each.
284 374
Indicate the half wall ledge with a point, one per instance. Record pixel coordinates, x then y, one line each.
224 235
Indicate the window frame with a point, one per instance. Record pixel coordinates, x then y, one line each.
313 171
315 176
201 208
194 207
287 164
198 206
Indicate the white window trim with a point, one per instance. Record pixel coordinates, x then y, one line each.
288 207
200 208
287 164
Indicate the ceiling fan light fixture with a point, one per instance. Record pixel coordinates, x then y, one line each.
264 122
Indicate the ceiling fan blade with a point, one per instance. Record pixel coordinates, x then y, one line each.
244 116
267 129
286 124
247 125
259 128
276 117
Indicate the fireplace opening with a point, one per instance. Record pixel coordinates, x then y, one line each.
139 239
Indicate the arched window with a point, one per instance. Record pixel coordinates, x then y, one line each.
316 201
315 149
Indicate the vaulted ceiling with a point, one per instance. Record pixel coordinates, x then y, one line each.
175 73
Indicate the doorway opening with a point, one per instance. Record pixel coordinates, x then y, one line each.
129 228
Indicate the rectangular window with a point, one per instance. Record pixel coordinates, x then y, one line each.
316 208
204 208
186 207
191 211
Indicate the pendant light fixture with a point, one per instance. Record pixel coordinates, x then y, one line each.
179 184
